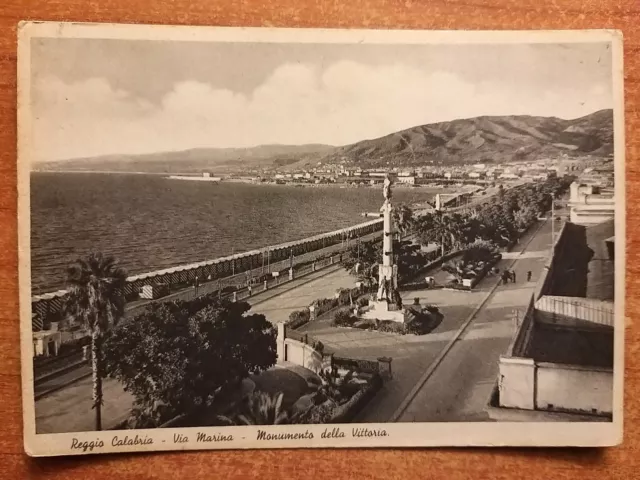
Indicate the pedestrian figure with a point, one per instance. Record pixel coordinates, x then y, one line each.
529 276
513 276
505 277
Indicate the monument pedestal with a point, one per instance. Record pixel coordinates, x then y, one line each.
383 310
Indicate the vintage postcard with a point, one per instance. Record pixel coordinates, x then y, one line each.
271 238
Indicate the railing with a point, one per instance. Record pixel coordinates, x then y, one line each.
227 271
301 337
571 309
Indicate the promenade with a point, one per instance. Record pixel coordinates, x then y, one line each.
65 400
68 408
278 307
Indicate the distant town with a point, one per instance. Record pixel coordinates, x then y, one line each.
426 175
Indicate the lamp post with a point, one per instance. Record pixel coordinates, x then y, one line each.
553 219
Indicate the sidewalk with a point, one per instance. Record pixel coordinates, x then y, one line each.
460 387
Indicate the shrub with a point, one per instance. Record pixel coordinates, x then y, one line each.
391 327
457 286
331 412
419 325
363 301
343 318
432 309
325 304
297 318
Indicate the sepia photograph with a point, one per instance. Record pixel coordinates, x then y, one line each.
274 238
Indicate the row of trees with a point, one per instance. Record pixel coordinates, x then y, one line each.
498 222
175 357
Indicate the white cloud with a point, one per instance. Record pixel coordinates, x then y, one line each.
297 104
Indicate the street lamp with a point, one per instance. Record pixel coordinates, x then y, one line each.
553 219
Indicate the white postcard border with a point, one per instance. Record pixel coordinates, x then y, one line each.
246 437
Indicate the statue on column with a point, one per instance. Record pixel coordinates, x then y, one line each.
386 189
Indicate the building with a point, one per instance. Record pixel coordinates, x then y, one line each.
559 365
409 180
590 204
509 176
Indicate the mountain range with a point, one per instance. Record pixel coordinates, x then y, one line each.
486 139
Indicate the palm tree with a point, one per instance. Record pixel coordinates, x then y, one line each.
259 408
403 218
96 299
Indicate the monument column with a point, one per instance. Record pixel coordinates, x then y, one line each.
387 271
388 303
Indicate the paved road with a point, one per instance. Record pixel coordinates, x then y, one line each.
461 385
69 409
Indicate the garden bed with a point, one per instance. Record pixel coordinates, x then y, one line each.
323 306
417 321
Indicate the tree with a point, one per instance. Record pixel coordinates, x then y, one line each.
362 260
96 300
452 231
403 218
178 357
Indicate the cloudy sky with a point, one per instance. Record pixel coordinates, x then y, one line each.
95 97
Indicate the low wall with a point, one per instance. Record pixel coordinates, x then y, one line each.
517 383
298 349
545 282
303 355
523 329
574 388
527 385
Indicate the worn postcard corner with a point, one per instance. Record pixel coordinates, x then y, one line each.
274 238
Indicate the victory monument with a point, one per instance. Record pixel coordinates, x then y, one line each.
388 303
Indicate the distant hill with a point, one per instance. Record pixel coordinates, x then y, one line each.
483 139
496 139
193 160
